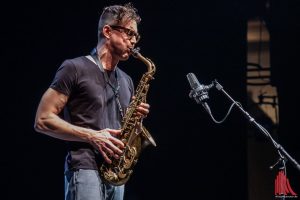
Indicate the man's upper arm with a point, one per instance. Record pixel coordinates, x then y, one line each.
52 102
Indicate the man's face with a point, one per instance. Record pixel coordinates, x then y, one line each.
123 38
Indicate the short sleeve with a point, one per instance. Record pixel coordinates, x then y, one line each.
65 78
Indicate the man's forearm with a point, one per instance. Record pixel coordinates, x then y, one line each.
56 127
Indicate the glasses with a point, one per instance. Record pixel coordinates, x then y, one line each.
130 33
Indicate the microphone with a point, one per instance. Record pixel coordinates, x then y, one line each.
199 91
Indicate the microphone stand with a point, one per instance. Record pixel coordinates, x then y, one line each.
283 154
200 94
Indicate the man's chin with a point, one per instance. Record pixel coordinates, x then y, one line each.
125 56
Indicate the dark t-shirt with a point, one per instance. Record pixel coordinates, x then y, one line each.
91 104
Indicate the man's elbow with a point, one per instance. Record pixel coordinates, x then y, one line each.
39 125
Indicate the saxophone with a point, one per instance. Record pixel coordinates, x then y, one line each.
134 136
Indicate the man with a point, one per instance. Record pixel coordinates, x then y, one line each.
92 93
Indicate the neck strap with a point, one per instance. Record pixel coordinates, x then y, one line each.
115 89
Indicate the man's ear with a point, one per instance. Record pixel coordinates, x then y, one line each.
106 31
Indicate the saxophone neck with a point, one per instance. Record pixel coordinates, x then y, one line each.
135 53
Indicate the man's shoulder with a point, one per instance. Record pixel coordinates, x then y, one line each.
78 63
80 60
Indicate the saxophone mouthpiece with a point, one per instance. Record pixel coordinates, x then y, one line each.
135 51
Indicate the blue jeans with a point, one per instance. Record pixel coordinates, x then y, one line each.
86 184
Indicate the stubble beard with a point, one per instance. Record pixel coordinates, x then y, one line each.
120 52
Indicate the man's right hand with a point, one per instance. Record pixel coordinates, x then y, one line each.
105 142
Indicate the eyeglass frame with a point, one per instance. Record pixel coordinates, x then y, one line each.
130 33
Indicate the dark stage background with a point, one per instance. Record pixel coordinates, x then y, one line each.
195 158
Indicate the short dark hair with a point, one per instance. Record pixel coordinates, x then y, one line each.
116 14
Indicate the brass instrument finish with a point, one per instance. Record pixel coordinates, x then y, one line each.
132 134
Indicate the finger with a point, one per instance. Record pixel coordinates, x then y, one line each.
113 147
104 155
117 142
145 105
113 131
141 115
116 156
110 152
107 150
142 110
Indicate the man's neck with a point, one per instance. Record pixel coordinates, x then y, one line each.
106 58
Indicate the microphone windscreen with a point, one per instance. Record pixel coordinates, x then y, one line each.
194 83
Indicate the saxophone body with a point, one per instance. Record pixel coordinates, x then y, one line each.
133 135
